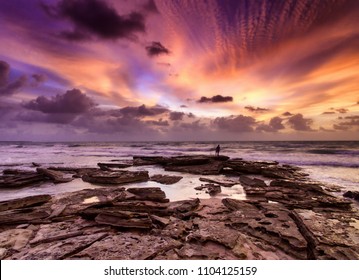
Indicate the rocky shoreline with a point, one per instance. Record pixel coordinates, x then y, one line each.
284 216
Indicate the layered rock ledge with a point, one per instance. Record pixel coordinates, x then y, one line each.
284 215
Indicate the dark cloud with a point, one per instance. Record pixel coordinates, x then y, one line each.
143 111
158 123
115 123
39 78
156 48
235 123
4 73
184 106
13 87
352 117
150 7
7 87
287 114
194 126
75 35
176 116
36 116
256 110
342 110
347 123
340 127
215 99
298 122
99 18
328 113
274 125
72 102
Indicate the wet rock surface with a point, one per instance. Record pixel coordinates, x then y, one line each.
165 179
284 215
352 194
115 177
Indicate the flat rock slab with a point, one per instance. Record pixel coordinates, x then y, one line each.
73 203
268 222
329 236
125 219
117 177
55 176
151 194
24 202
15 239
211 168
60 249
165 179
127 246
24 216
105 165
222 183
18 179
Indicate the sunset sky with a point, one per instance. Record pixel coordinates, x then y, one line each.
107 70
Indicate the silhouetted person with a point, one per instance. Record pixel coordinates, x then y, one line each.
218 148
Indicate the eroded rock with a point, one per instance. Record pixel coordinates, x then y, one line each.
165 179
117 177
56 176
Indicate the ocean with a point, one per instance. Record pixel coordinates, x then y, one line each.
331 162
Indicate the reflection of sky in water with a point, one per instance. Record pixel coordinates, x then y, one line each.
184 189
329 168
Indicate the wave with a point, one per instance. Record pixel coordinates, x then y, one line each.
331 164
333 152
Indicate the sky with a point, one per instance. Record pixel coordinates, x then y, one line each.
158 70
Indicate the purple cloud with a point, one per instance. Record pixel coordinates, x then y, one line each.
298 122
235 123
215 99
99 18
256 110
72 102
176 116
156 49
6 87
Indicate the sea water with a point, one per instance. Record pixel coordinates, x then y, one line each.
331 162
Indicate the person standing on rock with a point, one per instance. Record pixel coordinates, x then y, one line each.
218 148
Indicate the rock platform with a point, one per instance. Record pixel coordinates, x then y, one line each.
284 215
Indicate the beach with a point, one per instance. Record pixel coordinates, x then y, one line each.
162 200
